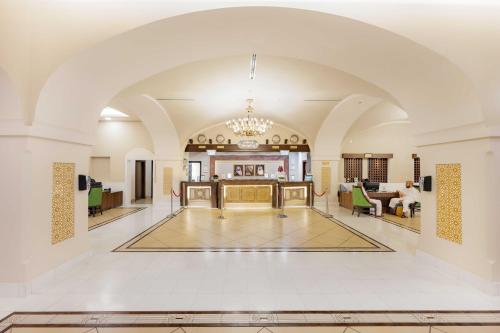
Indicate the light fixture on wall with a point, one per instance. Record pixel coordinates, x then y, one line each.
249 128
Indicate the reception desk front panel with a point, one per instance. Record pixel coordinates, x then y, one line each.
247 193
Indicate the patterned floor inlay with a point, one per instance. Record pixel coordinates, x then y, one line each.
111 215
246 321
409 223
304 230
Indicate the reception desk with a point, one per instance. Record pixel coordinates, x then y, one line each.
251 193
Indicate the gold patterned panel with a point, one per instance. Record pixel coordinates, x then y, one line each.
167 180
248 194
263 194
449 202
325 178
295 194
63 202
232 194
199 193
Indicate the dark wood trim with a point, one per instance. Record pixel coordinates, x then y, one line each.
234 148
349 155
363 155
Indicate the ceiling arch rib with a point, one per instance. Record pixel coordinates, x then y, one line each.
431 89
157 122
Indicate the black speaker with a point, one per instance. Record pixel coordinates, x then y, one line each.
427 183
82 182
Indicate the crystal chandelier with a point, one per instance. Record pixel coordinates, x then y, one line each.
249 128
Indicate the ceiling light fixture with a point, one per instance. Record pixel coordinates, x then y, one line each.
253 64
249 127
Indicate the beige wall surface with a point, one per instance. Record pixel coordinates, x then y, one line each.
25 230
479 252
395 139
114 139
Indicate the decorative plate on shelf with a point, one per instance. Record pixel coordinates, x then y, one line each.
276 138
201 138
219 138
294 138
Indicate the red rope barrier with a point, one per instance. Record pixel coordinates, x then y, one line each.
319 195
175 194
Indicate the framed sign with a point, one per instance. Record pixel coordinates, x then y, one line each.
249 170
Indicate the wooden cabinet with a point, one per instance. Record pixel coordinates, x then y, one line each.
112 199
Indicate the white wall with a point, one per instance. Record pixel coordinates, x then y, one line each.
25 232
480 251
394 138
114 139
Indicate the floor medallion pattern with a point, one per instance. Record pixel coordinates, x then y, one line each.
303 230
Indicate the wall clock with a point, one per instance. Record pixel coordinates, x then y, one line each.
201 138
219 138
294 138
276 138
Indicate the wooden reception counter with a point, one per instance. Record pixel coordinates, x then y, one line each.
251 193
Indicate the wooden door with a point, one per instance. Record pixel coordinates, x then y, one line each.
140 180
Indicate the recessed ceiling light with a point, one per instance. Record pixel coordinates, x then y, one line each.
107 118
110 112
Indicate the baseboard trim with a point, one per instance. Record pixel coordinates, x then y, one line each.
486 286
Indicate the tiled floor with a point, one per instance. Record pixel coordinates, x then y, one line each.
106 280
410 223
199 229
111 215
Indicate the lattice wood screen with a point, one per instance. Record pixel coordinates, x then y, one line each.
353 168
377 170
416 169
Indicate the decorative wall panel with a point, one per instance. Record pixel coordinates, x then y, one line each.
200 193
63 202
377 170
167 180
449 202
353 168
325 178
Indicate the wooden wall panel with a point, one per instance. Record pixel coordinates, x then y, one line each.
449 202
63 202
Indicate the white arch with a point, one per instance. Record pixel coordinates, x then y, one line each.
337 124
157 121
430 89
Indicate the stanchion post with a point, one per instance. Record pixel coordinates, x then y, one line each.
282 215
327 206
171 202
221 216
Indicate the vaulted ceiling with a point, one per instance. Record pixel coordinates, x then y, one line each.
295 93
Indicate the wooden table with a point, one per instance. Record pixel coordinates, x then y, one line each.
385 197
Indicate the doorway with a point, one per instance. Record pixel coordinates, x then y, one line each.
143 181
304 169
194 171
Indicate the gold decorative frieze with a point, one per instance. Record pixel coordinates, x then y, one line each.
63 202
449 202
